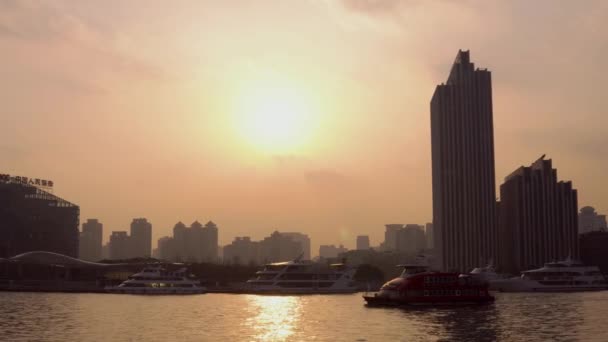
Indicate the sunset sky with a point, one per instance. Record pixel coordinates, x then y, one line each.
304 115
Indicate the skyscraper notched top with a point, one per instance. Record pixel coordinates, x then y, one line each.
462 142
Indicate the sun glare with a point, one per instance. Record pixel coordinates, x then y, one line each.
275 115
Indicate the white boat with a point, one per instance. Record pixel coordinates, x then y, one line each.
303 277
563 276
155 279
487 273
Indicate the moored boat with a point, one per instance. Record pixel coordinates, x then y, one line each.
418 285
155 279
563 276
303 277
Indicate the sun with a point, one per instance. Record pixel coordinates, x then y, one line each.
275 115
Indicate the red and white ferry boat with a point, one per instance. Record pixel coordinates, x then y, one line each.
418 285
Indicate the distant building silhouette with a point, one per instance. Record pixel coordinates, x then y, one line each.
590 221
430 237
242 251
411 239
196 243
303 239
279 247
210 242
32 219
390 236
141 238
363 242
166 248
91 240
538 218
462 144
408 238
331 251
594 249
120 246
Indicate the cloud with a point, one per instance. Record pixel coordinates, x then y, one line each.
78 53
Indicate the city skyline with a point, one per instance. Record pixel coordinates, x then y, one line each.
133 117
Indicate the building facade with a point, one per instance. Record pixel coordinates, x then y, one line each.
462 144
594 249
363 242
303 239
91 240
32 219
242 251
411 239
331 251
120 246
279 247
196 243
141 238
390 236
590 221
430 238
538 218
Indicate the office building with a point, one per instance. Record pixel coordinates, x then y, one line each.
594 249
390 236
462 144
590 221
428 232
538 218
303 239
362 242
196 243
279 247
331 251
166 249
141 238
411 239
242 251
120 246
91 240
33 219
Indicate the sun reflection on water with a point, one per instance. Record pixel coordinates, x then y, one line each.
274 318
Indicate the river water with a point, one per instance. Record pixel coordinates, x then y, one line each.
230 317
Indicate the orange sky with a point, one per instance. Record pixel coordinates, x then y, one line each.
135 108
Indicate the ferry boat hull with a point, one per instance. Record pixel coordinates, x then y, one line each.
426 301
519 285
154 291
299 291
417 285
155 280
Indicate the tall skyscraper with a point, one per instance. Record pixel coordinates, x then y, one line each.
430 237
462 143
91 240
210 237
538 218
141 237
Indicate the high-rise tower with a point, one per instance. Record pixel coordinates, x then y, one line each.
462 142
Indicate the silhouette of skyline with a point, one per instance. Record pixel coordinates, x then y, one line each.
131 124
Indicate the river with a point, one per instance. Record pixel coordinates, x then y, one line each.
231 317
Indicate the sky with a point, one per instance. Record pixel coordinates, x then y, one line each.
308 116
